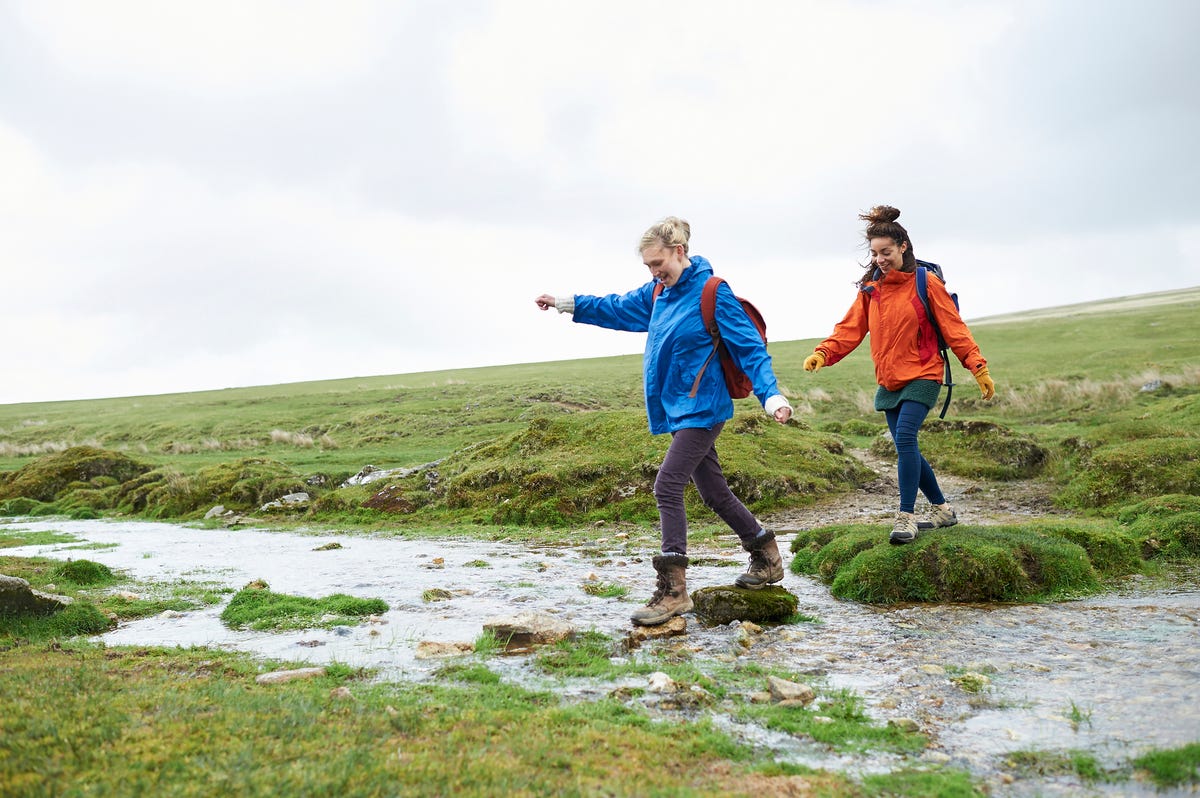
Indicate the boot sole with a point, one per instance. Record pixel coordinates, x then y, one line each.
897 540
925 526
756 585
659 620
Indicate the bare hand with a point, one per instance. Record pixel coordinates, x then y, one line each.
545 302
783 414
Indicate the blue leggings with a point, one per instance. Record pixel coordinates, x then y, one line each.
912 469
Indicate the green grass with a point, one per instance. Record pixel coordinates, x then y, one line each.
1172 767
15 538
1056 763
192 722
257 607
840 723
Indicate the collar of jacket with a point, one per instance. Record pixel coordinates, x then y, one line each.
698 268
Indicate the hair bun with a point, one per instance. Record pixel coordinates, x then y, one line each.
880 213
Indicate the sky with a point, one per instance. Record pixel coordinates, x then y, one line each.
202 195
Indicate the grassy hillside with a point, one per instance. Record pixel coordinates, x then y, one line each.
1069 380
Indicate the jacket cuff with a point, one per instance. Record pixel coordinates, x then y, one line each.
565 304
774 403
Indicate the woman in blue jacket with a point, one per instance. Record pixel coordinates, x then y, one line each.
677 347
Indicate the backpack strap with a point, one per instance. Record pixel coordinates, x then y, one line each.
708 314
923 295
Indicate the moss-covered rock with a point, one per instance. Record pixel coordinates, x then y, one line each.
721 605
72 469
973 564
974 449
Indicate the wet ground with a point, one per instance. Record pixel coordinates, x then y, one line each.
1114 675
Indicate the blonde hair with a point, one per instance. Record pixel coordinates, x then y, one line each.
669 233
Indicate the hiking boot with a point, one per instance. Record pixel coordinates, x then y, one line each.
766 566
671 598
905 530
942 516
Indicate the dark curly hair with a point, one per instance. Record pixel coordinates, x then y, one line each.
881 223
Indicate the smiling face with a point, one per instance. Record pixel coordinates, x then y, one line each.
887 254
666 264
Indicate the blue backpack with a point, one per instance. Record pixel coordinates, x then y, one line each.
923 269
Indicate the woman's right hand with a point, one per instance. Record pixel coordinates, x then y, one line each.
545 302
814 361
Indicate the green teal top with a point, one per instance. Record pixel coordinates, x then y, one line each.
923 391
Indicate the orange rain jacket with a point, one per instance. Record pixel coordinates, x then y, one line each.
903 343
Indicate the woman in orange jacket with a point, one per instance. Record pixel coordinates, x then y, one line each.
905 351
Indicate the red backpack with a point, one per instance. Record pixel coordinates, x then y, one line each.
736 381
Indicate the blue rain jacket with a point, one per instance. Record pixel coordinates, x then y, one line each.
677 345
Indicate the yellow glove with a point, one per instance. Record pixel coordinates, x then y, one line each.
986 385
814 361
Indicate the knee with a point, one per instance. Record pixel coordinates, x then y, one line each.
905 441
668 487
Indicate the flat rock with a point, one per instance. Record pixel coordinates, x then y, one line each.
18 598
526 629
279 677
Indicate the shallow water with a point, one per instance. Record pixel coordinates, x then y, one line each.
1113 675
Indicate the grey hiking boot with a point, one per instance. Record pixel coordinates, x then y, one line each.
671 598
941 516
766 566
905 530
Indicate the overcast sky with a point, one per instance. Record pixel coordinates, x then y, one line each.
218 193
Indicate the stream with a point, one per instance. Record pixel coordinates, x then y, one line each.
1113 675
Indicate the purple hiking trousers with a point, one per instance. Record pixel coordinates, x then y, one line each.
692 457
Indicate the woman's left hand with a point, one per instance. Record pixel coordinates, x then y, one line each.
986 386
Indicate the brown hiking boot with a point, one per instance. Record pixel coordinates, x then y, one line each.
671 598
766 566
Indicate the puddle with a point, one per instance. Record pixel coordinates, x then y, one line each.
1113 675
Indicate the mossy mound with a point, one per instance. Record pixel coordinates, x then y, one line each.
1168 537
602 466
26 506
77 468
969 564
1159 507
257 607
974 449
83 572
1166 527
720 605
244 484
1119 474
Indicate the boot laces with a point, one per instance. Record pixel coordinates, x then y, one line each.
663 590
758 561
